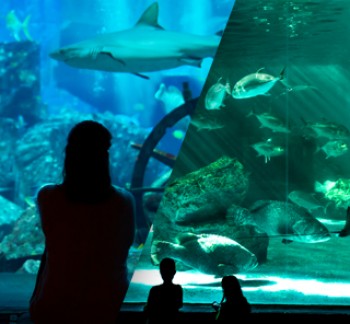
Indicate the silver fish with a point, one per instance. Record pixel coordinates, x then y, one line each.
255 84
145 47
268 149
334 148
269 121
208 253
327 129
299 87
214 99
288 220
206 123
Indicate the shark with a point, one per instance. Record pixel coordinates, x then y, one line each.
146 47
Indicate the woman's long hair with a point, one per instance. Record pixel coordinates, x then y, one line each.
231 287
86 173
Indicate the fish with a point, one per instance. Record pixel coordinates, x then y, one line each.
268 149
334 148
299 87
16 26
208 253
288 220
146 47
306 200
214 98
171 96
269 121
327 129
206 123
255 84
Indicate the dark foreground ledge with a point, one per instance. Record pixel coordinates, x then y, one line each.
203 313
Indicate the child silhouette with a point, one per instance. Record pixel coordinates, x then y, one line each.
164 300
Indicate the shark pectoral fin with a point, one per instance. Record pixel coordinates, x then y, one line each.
195 61
140 75
110 54
286 241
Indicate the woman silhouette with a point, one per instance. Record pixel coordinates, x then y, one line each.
234 307
89 228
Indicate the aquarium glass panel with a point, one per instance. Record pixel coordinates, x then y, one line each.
261 186
138 67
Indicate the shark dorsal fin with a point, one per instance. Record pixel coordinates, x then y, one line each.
150 16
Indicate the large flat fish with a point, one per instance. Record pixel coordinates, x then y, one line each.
289 221
146 47
255 84
208 253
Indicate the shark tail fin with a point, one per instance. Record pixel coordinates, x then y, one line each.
150 16
25 28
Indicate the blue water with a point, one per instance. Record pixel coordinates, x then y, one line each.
54 24
56 94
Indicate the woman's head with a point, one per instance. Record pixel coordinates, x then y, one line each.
86 166
231 286
89 135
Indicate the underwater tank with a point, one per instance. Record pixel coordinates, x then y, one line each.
260 188
127 65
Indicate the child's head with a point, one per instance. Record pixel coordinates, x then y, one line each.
167 269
